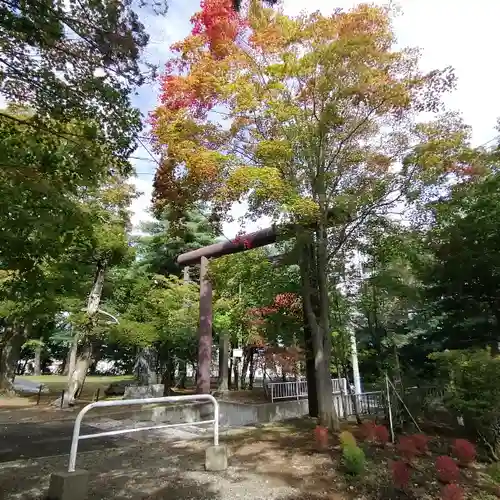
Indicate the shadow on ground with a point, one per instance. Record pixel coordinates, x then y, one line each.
274 462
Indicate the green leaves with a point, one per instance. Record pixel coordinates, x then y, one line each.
154 309
463 283
75 61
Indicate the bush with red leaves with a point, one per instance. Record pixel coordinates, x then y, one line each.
321 436
421 442
381 434
368 430
464 451
400 474
406 448
452 492
447 470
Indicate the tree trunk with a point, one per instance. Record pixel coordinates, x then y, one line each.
182 373
236 374
223 362
168 378
252 368
38 358
79 364
312 390
494 348
320 333
246 362
10 349
308 273
78 374
21 367
64 369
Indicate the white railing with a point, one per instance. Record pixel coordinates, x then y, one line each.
297 389
368 403
288 390
129 402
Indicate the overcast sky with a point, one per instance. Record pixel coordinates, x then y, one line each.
456 33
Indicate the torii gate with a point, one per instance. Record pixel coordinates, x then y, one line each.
202 255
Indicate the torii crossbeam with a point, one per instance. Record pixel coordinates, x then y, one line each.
202 255
242 243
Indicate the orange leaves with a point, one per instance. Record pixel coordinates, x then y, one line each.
252 108
176 94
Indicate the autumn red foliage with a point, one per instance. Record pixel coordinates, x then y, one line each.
368 430
283 302
464 451
400 474
381 434
407 448
452 492
219 23
446 469
421 442
240 240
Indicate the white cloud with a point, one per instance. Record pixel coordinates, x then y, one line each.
449 32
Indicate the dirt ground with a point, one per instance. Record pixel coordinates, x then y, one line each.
272 462
57 383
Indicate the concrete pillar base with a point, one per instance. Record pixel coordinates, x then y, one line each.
69 485
216 458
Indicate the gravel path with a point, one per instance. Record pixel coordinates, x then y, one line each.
146 471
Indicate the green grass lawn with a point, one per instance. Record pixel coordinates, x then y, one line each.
57 383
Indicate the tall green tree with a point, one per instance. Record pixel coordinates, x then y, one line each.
48 191
41 182
463 282
158 250
76 61
317 112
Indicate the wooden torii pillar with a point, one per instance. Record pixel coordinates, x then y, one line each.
201 256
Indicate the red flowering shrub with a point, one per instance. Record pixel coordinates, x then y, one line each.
381 434
321 436
452 492
464 451
421 442
447 470
368 430
400 474
406 447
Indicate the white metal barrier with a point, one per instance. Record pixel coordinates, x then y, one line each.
129 402
368 403
298 388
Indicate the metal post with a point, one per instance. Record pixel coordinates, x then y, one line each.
297 385
124 402
39 394
62 398
389 406
355 365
